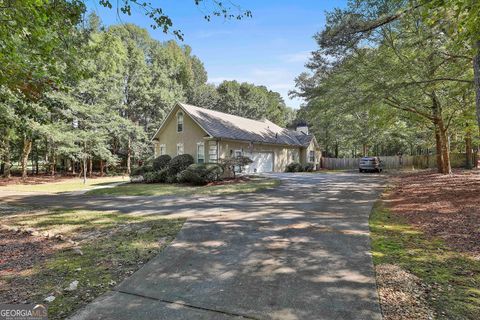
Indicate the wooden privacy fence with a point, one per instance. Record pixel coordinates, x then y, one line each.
396 162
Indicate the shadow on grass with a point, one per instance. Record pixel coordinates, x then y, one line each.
453 277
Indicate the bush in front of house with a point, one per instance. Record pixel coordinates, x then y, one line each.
229 165
200 174
161 162
154 176
178 164
294 167
309 167
140 171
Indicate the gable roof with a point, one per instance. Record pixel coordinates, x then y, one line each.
227 126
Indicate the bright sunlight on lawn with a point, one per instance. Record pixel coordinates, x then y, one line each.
254 184
97 249
74 184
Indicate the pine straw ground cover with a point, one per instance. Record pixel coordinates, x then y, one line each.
426 246
43 253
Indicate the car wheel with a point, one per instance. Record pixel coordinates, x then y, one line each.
360 170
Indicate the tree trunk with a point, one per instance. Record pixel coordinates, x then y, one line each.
364 150
446 168
336 149
6 161
90 167
27 147
476 76
468 149
84 170
129 155
53 163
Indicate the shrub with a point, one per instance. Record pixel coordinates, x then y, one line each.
200 174
309 167
229 164
190 176
178 164
155 176
161 162
140 171
294 167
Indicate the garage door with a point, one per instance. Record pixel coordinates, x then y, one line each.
262 162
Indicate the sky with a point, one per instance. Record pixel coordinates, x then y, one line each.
270 49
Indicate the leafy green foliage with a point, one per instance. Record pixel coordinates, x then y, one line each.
178 164
161 162
200 174
294 167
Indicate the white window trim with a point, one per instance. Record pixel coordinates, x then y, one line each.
164 146
183 150
180 113
198 154
310 157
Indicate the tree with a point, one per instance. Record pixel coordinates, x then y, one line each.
161 20
407 66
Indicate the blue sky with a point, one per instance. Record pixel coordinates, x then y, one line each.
269 49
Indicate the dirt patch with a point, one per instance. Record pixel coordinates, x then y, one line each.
19 253
445 206
40 179
402 295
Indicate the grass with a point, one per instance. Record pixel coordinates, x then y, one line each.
114 245
63 186
454 277
255 184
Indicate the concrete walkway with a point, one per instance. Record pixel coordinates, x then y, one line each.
300 251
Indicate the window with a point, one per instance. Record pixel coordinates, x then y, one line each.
311 157
212 151
237 153
200 152
180 122
163 149
179 149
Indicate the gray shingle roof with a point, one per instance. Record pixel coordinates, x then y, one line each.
227 126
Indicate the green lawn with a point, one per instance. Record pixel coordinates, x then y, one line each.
69 185
114 245
454 277
159 189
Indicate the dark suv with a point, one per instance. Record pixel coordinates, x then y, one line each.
370 164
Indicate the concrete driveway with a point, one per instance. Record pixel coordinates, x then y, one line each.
301 251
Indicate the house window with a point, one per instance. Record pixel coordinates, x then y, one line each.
311 157
179 149
212 151
200 152
236 154
163 149
180 122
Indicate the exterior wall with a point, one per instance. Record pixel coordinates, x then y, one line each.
282 155
191 134
306 152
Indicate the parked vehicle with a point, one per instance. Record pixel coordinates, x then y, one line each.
370 164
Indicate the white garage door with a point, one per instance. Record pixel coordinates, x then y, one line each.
262 162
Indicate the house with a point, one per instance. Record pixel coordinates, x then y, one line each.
210 135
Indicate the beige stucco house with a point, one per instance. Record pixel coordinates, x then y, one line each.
210 135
